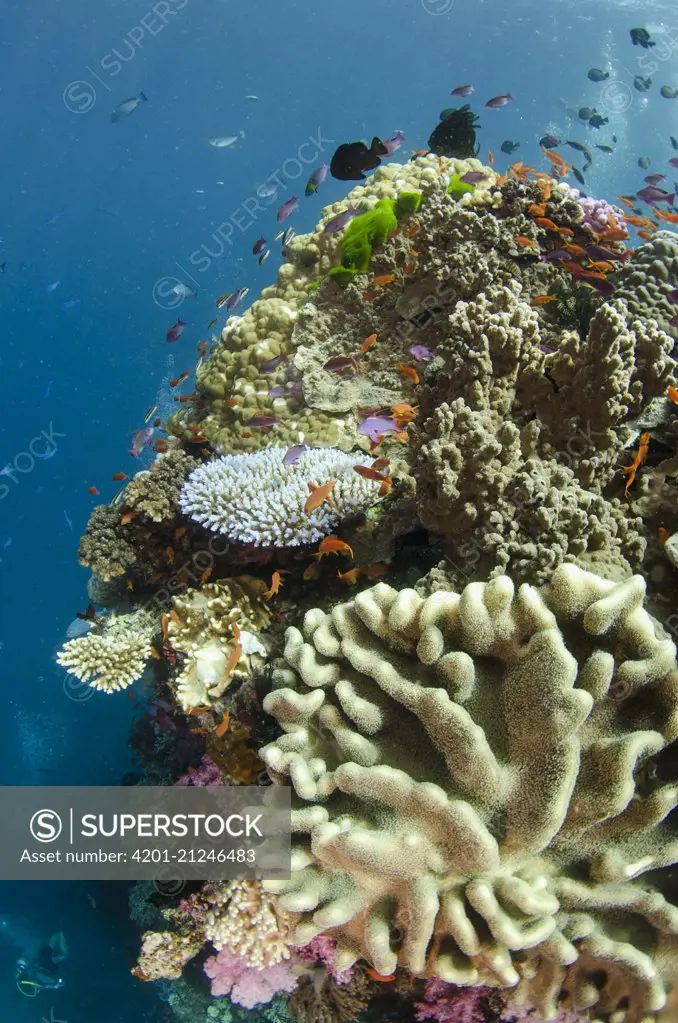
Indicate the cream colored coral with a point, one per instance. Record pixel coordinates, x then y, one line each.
246 919
111 660
202 627
465 770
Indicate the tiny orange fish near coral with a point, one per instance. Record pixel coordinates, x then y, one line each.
542 299
333 545
409 372
319 495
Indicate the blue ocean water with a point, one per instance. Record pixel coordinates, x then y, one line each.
100 219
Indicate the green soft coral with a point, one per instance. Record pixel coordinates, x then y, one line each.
457 187
369 229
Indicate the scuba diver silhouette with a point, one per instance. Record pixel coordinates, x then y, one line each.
37 973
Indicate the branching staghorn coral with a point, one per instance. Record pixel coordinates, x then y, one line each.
114 658
258 499
472 794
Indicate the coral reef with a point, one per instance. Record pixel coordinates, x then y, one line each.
114 658
648 277
473 788
164 955
259 499
247 985
204 625
328 1002
134 534
515 445
245 919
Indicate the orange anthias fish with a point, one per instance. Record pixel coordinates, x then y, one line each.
367 343
546 224
490 157
636 221
566 232
319 495
524 241
663 535
635 465
369 472
233 659
222 727
351 577
117 476
382 280
312 571
403 412
542 299
276 583
93 491
409 372
576 250
536 210
672 395
670 218
333 545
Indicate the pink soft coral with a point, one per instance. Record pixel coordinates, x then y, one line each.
322 949
449 1004
230 975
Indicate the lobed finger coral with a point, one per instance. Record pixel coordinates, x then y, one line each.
474 794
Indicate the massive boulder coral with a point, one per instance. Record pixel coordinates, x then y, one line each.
515 444
648 278
473 788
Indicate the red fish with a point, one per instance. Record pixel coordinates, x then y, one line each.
140 440
175 332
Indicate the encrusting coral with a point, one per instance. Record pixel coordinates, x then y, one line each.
207 625
114 658
473 799
133 534
260 499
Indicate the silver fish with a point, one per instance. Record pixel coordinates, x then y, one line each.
128 106
183 291
224 141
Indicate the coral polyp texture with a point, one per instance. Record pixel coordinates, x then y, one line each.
113 659
204 625
258 499
473 790
516 444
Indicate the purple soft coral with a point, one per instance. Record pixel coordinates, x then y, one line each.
206 774
247 986
322 949
449 1004
598 213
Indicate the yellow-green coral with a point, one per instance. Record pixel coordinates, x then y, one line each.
204 625
232 382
